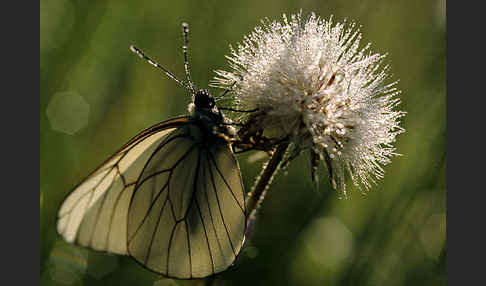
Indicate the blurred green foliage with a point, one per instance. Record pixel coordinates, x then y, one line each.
394 235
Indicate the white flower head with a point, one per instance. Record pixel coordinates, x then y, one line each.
312 83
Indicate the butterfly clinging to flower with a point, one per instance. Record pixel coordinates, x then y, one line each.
172 197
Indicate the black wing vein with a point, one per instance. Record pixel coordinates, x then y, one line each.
155 230
205 235
97 205
225 182
219 208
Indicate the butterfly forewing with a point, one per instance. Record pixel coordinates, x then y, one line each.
187 216
95 213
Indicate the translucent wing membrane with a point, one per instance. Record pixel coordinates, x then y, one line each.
95 213
187 215
172 198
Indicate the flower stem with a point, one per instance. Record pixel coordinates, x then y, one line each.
257 194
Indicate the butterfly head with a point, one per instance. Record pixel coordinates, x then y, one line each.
204 100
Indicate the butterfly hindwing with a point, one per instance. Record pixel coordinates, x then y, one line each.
187 216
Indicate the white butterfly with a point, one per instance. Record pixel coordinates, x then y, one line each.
172 197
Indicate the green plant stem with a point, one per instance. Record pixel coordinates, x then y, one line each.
257 194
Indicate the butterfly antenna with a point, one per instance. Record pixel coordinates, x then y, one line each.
228 89
155 64
185 32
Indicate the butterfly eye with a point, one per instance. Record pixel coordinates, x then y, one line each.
211 102
203 99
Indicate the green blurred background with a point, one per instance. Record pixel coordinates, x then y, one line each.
95 95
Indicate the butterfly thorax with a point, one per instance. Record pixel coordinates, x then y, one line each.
206 115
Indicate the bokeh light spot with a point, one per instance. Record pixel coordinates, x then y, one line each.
251 251
433 235
67 264
328 242
41 200
165 282
67 112
101 264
